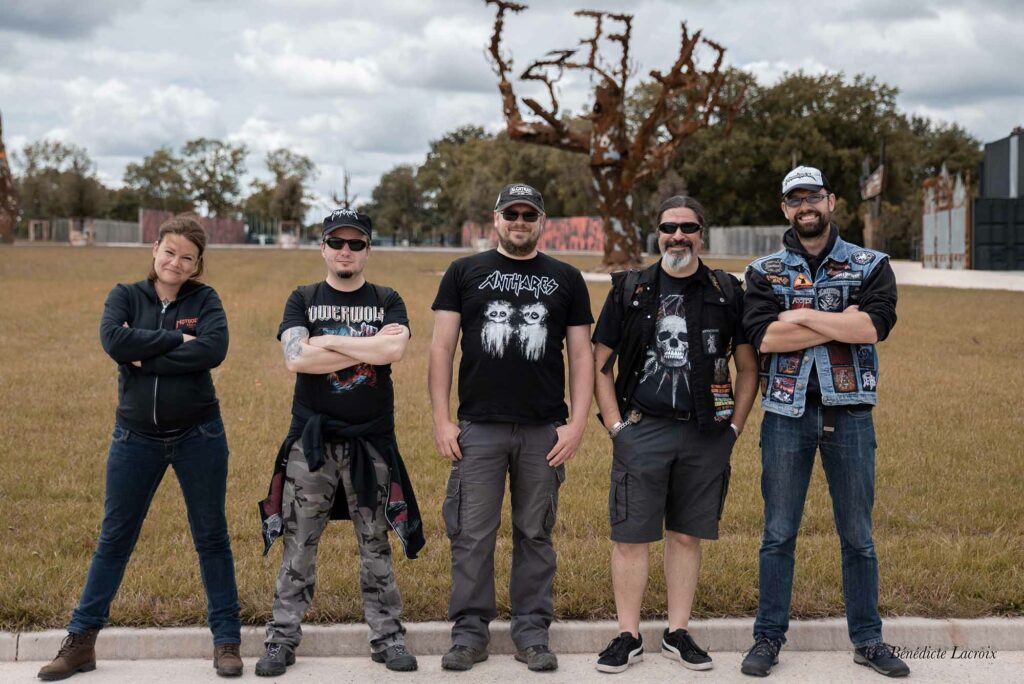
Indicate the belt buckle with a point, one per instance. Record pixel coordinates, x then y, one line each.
634 417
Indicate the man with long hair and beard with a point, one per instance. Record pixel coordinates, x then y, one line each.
673 420
815 310
513 306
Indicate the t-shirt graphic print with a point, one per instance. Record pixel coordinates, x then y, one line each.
521 330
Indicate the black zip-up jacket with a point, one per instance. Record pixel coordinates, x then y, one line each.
173 389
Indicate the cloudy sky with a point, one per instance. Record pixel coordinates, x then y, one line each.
367 85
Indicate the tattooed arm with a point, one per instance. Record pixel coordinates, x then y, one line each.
301 357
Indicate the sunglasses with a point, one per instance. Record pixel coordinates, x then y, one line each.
355 244
528 216
689 228
794 202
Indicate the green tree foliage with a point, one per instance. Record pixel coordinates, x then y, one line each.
58 180
397 204
214 170
158 182
285 198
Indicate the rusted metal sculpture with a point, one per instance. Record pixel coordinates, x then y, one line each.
8 195
687 98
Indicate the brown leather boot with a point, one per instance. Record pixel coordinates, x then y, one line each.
227 661
77 654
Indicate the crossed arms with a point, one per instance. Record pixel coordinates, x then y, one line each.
330 353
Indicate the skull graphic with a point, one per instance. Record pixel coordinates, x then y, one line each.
671 342
497 327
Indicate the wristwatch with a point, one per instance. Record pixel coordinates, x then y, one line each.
617 428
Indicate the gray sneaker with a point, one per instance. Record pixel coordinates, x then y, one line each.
462 658
395 657
275 661
538 658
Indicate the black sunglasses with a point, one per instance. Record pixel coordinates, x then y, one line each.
528 216
794 202
689 228
355 244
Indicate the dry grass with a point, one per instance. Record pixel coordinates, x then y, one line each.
949 501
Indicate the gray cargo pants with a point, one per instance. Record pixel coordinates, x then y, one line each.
306 507
472 514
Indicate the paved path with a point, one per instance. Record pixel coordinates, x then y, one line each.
805 666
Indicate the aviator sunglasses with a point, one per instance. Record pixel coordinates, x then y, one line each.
794 202
355 244
688 227
528 216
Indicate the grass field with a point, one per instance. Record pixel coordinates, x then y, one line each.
950 481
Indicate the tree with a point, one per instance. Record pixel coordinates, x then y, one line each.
8 194
688 98
58 180
397 204
159 182
214 170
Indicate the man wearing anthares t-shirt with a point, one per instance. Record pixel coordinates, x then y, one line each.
513 307
340 458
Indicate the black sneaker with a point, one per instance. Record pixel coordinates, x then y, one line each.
462 657
881 658
621 652
395 657
761 656
275 661
538 658
679 645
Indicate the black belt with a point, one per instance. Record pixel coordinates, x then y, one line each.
634 416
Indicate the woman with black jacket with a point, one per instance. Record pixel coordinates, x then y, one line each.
165 333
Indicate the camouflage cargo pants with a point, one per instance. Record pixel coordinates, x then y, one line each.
306 508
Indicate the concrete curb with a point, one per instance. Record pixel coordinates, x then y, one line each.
432 638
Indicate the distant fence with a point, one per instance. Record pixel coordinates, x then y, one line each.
586 233
106 230
219 230
946 222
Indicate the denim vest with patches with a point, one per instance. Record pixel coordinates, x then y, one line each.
847 373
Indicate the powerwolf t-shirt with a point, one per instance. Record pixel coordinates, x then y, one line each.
358 393
514 315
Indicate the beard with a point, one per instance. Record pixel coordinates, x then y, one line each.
677 262
813 230
345 275
516 249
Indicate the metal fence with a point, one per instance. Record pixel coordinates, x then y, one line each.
945 222
744 240
106 230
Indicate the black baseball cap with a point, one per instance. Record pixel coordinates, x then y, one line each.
347 217
519 193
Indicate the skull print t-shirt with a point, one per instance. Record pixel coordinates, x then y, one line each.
514 316
664 388
358 393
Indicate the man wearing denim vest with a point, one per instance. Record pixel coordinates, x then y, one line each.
815 310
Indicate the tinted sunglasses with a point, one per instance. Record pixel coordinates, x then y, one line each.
670 228
355 244
794 202
528 216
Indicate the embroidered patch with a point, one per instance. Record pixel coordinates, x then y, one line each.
789 364
802 282
866 357
773 266
863 257
802 303
843 380
722 395
830 299
834 268
847 275
839 354
783 389
721 370
711 341
868 380
778 279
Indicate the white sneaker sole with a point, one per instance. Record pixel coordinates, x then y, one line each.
672 654
634 657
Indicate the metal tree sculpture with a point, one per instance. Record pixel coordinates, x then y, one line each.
686 99
8 197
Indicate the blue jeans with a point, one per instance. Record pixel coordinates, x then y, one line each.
135 466
848 457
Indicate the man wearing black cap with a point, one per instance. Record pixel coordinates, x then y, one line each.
513 306
340 458
815 310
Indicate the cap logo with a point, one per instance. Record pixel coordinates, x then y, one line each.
810 175
343 213
520 190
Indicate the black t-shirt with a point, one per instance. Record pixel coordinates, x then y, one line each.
358 393
514 316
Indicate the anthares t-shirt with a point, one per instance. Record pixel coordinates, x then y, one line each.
358 393
514 316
